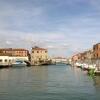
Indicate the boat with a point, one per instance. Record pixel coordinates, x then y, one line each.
92 66
97 71
19 63
79 65
85 67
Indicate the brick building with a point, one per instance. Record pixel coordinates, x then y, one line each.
96 51
77 57
14 52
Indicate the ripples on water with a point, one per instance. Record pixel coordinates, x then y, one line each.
57 82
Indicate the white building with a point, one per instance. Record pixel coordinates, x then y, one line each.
4 61
7 60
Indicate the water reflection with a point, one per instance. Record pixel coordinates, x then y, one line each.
48 83
97 81
40 77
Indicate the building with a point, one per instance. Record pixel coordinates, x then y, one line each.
96 51
77 57
38 55
14 52
87 56
96 55
10 55
5 61
5 51
8 60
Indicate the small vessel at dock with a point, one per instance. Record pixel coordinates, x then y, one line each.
19 63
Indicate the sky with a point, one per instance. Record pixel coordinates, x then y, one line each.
64 27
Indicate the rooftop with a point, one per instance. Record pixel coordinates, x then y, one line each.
38 48
13 49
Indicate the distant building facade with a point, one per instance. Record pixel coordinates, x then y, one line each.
96 51
86 56
77 57
9 55
38 54
14 52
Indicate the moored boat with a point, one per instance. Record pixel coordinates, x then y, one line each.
85 67
97 71
19 63
79 65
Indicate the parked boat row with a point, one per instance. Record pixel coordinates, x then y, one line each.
89 67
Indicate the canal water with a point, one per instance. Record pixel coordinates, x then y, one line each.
56 82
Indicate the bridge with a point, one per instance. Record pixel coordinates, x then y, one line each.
59 60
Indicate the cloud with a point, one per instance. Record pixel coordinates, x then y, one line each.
15 17
50 47
59 25
8 42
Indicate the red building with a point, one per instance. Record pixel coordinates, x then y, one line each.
14 52
96 51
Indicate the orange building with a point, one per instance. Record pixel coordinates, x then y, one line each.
20 52
96 51
77 57
5 51
14 52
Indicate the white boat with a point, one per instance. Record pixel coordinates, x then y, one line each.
78 64
92 66
85 66
19 63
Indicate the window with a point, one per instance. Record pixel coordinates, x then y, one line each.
4 51
1 52
97 55
37 51
45 51
5 60
32 51
0 60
